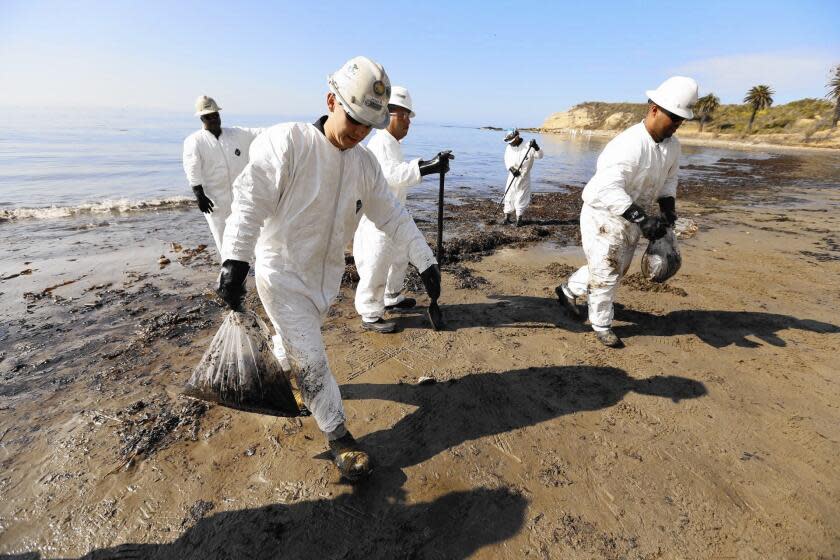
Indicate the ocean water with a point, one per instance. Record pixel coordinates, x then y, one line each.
68 177
88 161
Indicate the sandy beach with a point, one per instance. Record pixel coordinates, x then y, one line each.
713 434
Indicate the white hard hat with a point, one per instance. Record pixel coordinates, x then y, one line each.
205 105
401 98
363 89
677 94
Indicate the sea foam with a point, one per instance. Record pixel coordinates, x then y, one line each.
107 206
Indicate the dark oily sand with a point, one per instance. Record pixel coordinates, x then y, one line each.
637 281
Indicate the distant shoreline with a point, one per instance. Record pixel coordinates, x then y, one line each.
693 139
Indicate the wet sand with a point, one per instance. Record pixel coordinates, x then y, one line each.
712 435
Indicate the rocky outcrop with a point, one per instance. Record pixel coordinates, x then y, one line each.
576 117
596 116
619 121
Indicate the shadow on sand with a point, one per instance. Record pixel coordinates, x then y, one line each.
375 521
359 525
717 328
509 311
484 404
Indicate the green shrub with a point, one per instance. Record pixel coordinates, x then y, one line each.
733 118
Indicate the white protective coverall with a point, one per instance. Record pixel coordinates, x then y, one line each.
518 196
295 207
381 263
631 169
214 164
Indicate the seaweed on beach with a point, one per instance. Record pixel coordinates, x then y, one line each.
147 427
465 278
480 242
561 271
637 281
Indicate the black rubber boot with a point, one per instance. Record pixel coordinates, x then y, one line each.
380 326
508 219
569 305
519 221
353 463
407 303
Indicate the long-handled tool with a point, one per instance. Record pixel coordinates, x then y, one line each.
442 155
513 177
433 311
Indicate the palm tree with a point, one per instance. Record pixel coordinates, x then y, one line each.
760 97
834 93
706 105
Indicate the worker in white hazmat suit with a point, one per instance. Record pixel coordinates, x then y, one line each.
295 207
213 157
636 168
519 159
381 263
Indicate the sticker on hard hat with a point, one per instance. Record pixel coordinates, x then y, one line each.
373 103
379 87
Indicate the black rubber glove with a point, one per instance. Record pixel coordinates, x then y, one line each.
668 210
515 172
535 145
232 283
438 164
652 227
204 203
431 281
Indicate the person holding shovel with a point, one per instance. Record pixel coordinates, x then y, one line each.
295 207
381 263
519 158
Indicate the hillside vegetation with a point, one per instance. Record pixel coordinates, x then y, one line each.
803 118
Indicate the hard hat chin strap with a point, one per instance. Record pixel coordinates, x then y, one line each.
344 104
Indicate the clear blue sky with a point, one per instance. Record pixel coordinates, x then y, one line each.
502 63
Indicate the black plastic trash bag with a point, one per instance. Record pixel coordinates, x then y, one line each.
240 371
662 258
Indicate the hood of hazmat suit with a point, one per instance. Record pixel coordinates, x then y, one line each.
214 163
295 207
380 262
631 169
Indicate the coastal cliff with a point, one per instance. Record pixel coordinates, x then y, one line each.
802 123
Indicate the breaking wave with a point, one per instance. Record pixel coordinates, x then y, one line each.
108 206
